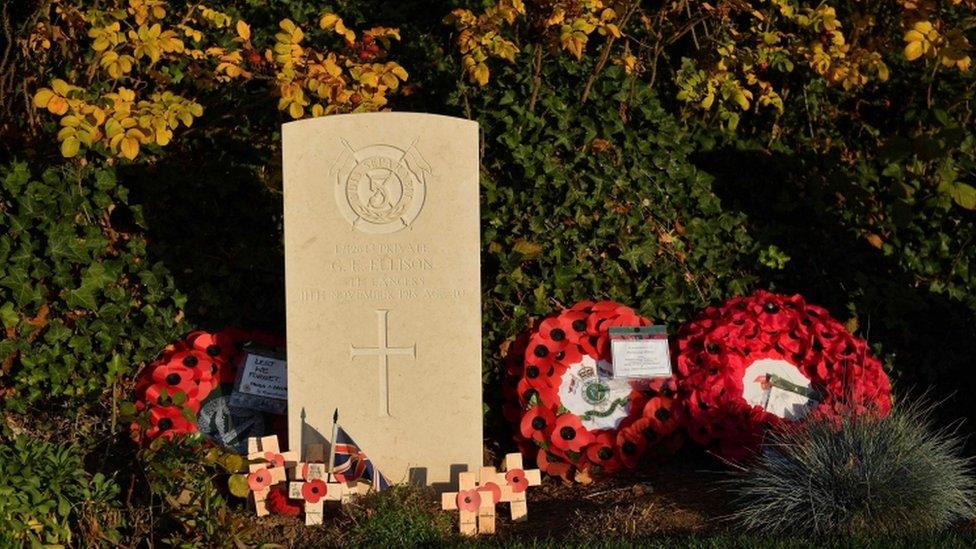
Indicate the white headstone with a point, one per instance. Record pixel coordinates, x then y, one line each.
382 261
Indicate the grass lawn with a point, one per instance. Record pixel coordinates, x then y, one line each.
683 504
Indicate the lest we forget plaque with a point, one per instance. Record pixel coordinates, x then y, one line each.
382 261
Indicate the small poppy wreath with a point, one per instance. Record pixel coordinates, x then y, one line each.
170 390
764 360
568 413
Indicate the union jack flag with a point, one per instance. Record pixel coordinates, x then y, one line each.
351 463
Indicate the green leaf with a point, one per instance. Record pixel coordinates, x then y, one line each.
963 194
530 250
238 486
9 316
232 463
94 280
127 410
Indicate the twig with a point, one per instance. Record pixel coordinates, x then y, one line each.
605 54
615 490
536 78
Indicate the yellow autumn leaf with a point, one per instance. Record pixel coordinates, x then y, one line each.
43 97
163 136
706 103
573 41
129 146
341 29
557 17
331 67
399 71
70 147
295 110
742 97
328 20
613 30
243 30
480 74
57 105
913 50
61 87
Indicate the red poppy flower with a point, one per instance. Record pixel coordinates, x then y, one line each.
168 421
541 354
468 500
259 480
493 489
537 423
631 444
218 346
569 435
314 490
530 394
660 411
175 377
601 453
552 466
202 365
274 459
516 480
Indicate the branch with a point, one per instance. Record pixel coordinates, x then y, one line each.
605 54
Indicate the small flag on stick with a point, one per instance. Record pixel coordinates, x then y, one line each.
349 464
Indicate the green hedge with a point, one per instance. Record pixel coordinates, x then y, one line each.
80 301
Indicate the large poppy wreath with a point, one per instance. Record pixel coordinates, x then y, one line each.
570 413
757 362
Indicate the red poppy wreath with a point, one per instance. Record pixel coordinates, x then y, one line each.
570 413
169 392
757 362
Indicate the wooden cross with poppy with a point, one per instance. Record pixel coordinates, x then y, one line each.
267 467
312 485
491 492
470 504
514 483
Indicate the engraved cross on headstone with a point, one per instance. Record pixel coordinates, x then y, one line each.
383 351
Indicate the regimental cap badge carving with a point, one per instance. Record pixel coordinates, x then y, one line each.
380 188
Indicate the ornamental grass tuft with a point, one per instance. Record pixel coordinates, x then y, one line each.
892 476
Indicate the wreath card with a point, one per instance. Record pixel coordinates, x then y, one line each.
262 381
640 352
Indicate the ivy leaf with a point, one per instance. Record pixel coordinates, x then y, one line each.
95 279
963 194
8 315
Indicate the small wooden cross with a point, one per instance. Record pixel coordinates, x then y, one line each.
491 492
267 467
475 501
313 486
517 480
467 501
